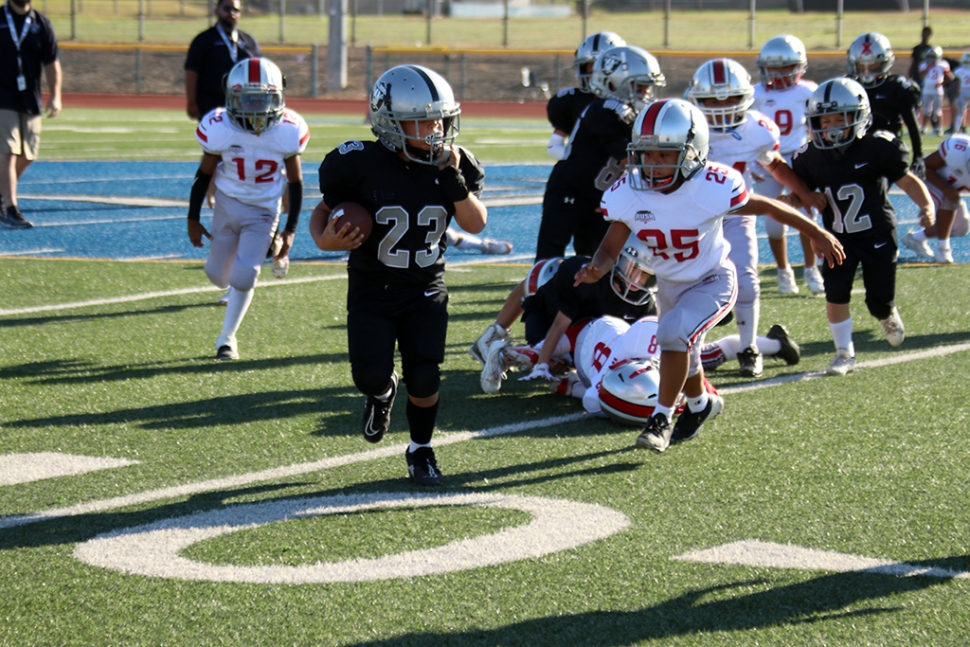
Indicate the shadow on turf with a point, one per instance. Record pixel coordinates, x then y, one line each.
812 602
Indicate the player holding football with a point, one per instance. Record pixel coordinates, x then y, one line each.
247 145
853 167
674 200
747 141
782 95
413 180
947 174
565 109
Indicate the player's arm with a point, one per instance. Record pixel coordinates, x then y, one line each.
917 192
294 187
824 243
784 174
934 162
191 87
606 254
200 186
470 214
549 343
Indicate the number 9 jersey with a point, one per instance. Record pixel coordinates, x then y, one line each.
252 167
683 228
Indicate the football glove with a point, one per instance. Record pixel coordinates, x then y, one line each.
540 372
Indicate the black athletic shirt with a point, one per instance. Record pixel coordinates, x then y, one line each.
39 48
565 109
210 58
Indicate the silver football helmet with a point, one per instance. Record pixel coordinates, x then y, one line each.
782 62
934 55
632 274
841 96
254 94
403 97
588 50
629 391
667 125
627 74
965 59
718 80
870 58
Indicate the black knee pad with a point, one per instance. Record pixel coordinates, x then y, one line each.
423 379
370 381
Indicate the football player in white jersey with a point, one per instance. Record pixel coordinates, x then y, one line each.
747 141
962 75
947 174
935 74
247 145
782 95
674 200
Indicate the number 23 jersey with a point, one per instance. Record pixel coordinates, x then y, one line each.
410 209
252 167
682 228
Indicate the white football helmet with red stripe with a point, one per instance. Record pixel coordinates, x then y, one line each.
629 392
667 125
782 62
627 74
254 94
540 274
721 79
870 58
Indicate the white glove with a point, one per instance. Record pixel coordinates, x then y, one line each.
540 372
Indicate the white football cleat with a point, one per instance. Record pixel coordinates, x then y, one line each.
944 256
492 246
224 299
786 281
842 363
919 246
893 329
814 280
494 332
496 367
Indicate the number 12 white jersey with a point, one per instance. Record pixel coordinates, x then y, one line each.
253 166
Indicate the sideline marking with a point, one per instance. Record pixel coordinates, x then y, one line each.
24 468
447 438
751 552
153 550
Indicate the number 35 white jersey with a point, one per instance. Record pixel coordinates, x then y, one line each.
787 109
681 228
606 342
253 166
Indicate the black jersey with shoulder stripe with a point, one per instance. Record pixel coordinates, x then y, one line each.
565 109
890 100
411 214
596 152
584 300
855 179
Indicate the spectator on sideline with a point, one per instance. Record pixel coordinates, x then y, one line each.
29 47
919 54
211 55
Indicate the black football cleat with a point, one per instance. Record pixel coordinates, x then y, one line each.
422 467
377 414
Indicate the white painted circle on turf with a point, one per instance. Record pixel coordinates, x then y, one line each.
153 549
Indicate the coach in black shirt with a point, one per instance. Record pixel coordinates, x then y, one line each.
211 55
27 47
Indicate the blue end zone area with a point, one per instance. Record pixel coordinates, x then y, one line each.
136 211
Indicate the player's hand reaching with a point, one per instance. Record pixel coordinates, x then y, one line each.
828 247
540 372
588 273
815 200
286 244
196 232
927 215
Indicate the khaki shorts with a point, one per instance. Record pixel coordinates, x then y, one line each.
19 134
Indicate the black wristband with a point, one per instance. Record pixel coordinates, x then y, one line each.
200 186
452 184
296 205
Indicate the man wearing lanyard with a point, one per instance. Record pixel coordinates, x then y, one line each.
27 45
211 55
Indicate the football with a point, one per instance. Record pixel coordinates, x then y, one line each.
356 215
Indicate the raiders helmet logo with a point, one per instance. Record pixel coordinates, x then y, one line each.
379 97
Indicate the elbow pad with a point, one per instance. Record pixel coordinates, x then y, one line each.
296 205
200 186
557 146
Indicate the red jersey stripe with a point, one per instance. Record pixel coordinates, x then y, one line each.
201 135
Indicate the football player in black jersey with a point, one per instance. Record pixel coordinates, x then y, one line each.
624 293
893 98
853 166
623 79
413 180
565 108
